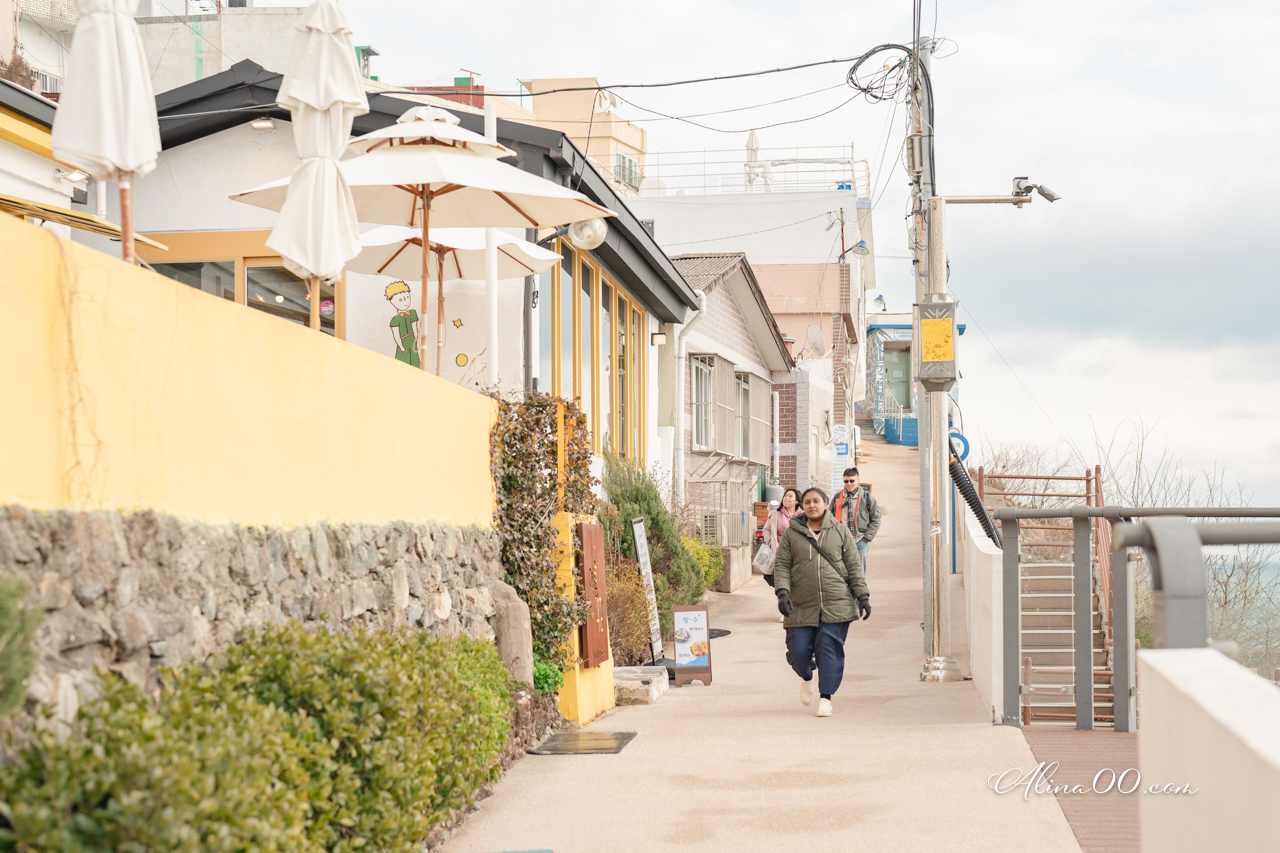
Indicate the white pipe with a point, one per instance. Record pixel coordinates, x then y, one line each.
776 422
678 460
491 263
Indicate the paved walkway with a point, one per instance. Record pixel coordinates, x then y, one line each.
742 765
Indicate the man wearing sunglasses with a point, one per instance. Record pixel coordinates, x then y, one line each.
858 510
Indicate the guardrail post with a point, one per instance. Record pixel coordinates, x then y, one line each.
1011 604
1178 589
1122 637
1082 598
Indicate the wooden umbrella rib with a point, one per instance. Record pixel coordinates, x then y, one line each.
391 259
528 268
516 208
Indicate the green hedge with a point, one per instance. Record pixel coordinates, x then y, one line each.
298 741
17 654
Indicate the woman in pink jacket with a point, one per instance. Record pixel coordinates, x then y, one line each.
776 524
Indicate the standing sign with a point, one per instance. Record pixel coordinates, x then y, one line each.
646 572
693 644
844 459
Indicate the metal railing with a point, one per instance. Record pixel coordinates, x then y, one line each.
1178 585
892 410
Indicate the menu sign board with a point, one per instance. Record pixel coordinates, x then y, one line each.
646 572
693 644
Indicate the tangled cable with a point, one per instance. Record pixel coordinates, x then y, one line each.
886 83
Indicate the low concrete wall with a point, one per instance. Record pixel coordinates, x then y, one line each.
1208 723
737 568
983 597
132 593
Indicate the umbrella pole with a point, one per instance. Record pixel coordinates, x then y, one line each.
315 302
126 219
426 247
439 310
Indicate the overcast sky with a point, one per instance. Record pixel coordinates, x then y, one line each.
1145 291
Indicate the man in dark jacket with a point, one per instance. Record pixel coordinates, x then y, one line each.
818 596
857 509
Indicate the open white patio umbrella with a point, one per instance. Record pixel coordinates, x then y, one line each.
427 167
317 232
459 253
106 120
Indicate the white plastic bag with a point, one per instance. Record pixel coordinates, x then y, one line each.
764 559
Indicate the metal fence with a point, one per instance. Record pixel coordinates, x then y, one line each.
723 511
1173 545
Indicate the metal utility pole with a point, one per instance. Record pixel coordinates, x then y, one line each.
920 165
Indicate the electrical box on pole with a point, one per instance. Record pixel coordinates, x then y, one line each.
934 329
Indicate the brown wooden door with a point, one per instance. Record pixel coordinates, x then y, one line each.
595 633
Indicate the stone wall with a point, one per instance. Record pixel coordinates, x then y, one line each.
131 593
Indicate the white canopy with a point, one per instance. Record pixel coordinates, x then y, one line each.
392 250
318 232
468 191
106 120
433 125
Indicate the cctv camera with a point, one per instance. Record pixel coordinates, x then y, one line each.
1021 186
1048 194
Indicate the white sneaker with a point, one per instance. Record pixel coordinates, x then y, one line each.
824 707
806 692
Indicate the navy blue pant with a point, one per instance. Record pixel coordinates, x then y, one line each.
822 647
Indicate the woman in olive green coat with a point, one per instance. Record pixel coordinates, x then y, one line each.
818 596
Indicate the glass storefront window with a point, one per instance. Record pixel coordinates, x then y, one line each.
624 410
546 314
215 277
586 324
568 294
637 392
606 366
277 291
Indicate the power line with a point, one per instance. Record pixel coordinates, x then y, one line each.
996 350
742 129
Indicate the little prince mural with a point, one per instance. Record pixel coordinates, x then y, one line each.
404 323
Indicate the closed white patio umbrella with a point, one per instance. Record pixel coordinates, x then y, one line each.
427 167
106 120
318 232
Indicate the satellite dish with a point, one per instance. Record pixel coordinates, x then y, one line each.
814 342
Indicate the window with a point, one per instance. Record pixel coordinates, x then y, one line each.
703 403
215 277
813 454
743 417
277 291
546 318
606 366
586 343
626 169
592 336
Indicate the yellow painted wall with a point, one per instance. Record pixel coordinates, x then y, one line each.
588 691
193 405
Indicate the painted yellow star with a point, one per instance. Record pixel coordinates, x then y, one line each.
457 324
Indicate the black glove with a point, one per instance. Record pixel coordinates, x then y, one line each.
784 602
864 602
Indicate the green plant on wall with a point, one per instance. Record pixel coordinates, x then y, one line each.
526 482
678 578
17 655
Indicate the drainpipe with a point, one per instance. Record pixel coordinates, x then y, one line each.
776 425
678 462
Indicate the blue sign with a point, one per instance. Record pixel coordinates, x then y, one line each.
964 452
842 448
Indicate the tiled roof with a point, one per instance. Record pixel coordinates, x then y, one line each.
702 271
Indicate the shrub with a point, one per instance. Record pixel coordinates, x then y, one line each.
205 770
678 579
628 613
547 677
709 557
17 654
523 450
415 724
